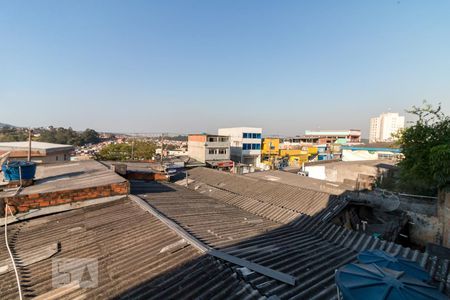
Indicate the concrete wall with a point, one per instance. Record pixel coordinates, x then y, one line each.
55 157
197 150
338 172
424 228
444 215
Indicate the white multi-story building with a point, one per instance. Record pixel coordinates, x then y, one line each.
382 127
211 149
245 144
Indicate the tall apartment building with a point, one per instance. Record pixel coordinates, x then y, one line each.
382 127
210 149
245 144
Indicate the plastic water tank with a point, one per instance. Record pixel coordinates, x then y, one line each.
371 282
397 263
12 171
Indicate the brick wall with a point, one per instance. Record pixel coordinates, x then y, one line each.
24 203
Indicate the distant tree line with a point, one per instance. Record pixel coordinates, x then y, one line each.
181 138
51 134
68 136
13 134
132 150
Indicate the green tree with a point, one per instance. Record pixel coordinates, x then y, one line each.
115 152
12 134
426 147
138 150
68 136
89 136
144 150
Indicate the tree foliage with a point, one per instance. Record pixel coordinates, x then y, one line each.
12 134
68 136
51 134
426 147
137 150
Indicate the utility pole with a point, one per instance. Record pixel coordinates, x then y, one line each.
132 148
29 144
162 149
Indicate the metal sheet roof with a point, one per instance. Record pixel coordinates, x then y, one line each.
138 257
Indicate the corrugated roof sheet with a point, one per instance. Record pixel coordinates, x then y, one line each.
138 257
279 202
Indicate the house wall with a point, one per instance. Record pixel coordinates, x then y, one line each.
39 157
202 149
197 150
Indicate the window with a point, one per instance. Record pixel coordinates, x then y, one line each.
56 158
256 146
222 151
252 135
212 151
246 146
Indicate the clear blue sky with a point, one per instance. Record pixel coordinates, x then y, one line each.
189 66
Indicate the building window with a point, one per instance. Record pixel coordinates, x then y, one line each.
222 151
246 146
245 135
212 151
56 158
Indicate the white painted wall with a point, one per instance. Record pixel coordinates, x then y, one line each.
317 172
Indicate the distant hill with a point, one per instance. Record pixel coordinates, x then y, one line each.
3 125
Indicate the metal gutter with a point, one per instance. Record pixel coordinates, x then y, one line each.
280 276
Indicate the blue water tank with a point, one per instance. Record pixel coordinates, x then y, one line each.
371 282
397 263
14 169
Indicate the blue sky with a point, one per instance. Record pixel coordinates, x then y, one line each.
189 66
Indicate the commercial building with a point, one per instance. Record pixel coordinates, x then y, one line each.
332 136
245 144
211 149
40 152
383 127
276 153
371 152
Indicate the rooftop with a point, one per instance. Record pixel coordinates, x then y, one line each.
69 176
34 146
224 236
332 132
137 255
299 181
